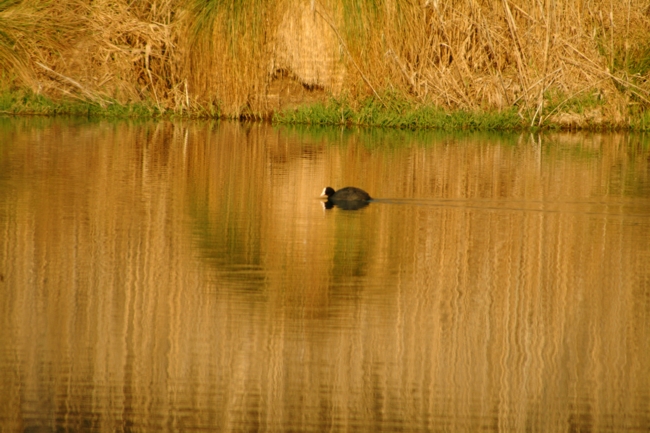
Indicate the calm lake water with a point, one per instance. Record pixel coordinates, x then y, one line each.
186 277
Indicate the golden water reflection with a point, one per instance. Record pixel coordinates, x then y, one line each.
184 276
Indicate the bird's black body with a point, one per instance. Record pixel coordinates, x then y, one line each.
349 193
348 198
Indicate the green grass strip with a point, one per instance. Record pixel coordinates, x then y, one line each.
396 114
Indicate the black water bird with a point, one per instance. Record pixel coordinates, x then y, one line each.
349 198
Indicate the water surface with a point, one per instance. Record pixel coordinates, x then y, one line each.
185 276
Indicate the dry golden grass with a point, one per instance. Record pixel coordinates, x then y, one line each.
466 54
223 57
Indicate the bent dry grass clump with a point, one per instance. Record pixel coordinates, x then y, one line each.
453 64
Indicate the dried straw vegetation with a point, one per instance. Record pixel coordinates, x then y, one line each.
564 61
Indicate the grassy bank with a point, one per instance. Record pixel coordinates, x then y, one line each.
488 65
25 102
399 114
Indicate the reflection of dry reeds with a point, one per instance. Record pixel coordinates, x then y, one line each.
116 308
224 56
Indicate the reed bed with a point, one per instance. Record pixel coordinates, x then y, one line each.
565 62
